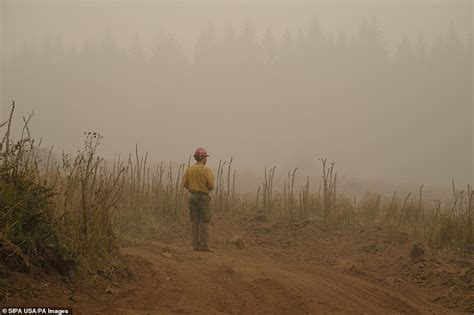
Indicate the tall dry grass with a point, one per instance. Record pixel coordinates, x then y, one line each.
445 225
87 206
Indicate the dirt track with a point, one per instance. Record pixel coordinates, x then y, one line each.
247 281
260 267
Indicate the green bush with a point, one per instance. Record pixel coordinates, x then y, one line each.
25 206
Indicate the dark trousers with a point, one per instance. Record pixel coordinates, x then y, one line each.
200 215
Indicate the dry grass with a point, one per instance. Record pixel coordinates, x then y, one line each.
441 225
84 205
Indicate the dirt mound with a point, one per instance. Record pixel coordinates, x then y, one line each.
383 254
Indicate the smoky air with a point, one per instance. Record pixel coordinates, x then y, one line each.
236 157
384 89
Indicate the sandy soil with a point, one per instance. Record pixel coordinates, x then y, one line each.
261 267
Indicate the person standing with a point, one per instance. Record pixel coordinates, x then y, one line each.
199 181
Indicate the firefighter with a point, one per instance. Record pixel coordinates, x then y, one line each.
199 181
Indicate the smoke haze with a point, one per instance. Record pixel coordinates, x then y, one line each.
384 88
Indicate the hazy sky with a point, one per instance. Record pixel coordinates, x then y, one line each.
75 22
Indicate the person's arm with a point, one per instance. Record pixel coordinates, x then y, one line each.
186 180
209 179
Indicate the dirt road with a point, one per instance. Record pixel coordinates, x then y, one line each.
263 267
248 281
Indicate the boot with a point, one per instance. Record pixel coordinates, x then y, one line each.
205 249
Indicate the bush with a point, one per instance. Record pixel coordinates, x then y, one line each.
25 205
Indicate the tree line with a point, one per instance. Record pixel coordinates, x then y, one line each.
306 79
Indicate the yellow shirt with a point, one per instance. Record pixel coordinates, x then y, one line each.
198 178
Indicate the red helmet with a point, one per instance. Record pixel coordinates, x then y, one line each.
200 152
